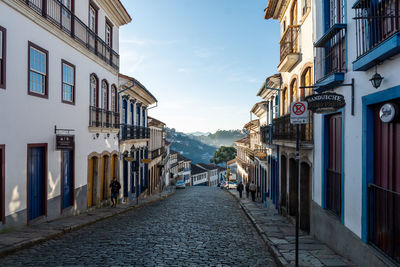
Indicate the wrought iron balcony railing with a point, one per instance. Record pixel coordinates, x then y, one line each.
103 118
284 130
266 134
157 152
129 132
375 22
289 41
58 14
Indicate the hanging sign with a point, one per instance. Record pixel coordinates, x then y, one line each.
65 142
130 159
388 112
299 112
325 102
146 161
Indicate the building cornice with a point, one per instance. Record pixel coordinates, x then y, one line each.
24 10
116 11
276 8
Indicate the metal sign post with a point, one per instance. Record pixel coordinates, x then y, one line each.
299 115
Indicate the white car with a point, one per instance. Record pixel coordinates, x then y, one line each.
232 185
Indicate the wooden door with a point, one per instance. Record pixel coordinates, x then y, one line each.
36 172
66 179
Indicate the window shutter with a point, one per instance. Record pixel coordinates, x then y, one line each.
1 45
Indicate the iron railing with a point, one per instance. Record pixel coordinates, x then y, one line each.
103 118
289 41
284 130
376 21
58 14
157 152
129 132
334 191
384 220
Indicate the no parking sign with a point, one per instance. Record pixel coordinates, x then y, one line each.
299 112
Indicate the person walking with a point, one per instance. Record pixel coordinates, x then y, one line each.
247 189
240 189
253 188
115 187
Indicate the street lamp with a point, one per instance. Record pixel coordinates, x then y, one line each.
376 80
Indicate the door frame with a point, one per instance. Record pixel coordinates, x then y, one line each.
2 183
72 180
368 148
45 170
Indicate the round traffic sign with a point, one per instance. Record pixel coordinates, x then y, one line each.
298 108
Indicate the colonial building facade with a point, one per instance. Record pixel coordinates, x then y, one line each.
64 69
157 152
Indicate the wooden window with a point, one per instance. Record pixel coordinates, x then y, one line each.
293 14
104 95
114 99
2 57
306 80
305 6
93 11
293 89
109 35
37 71
68 82
93 90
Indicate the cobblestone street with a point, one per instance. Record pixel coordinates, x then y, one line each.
198 226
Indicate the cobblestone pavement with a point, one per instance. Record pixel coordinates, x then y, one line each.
198 226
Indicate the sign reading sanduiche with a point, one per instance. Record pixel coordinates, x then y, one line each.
65 142
325 102
299 112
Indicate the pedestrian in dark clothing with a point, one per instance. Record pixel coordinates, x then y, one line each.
115 187
240 189
253 188
247 189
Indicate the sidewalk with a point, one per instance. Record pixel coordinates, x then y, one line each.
35 234
280 236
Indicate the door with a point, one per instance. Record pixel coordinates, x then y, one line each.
2 178
384 192
283 181
292 187
92 181
305 197
125 177
334 170
36 180
67 178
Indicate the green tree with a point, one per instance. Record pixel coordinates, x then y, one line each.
223 154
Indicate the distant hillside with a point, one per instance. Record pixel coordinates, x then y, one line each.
201 148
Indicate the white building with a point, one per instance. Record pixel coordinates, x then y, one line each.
356 192
135 100
167 163
199 176
212 173
62 63
157 151
184 169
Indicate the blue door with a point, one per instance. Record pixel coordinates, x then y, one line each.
67 190
36 182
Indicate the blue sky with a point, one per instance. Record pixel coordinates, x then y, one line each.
203 60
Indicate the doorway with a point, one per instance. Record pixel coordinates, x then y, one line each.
67 178
305 197
37 177
93 181
292 187
283 182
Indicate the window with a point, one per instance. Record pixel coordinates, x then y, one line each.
93 17
114 100
104 95
68 82
306 80
293 89
93 90
67 8
38 66
2 57
293 14
109 33
306 6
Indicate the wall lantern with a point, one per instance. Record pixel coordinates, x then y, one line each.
95 136
376 80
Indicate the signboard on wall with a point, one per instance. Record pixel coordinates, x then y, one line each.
65 142
325 102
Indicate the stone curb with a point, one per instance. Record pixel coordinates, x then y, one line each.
279 259
38 240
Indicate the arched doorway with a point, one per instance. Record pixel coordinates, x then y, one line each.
92 181
292 187
305 197
283 181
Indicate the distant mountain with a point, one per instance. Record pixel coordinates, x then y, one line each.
201 148
199 133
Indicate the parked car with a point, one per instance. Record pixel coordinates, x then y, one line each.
180 183
232 185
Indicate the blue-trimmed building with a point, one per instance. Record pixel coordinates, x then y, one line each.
356 190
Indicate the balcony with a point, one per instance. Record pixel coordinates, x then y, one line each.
103 118
129 132
284 130
60 16
290 53
377 32
266 134
157 152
